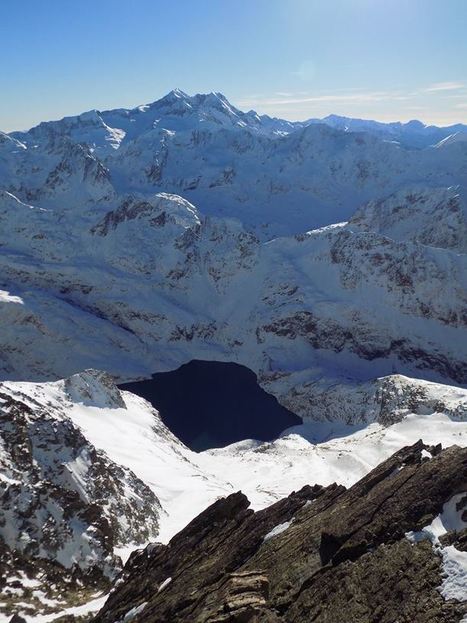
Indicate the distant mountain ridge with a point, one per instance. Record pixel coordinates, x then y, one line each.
215 108
413 134
277 177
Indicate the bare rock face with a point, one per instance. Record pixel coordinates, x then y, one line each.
313 556
61 499
37 586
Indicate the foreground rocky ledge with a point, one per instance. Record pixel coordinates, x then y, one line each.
321 554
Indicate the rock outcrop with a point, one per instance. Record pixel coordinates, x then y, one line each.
313 556
385 400
63 500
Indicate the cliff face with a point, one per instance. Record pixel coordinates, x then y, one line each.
390 548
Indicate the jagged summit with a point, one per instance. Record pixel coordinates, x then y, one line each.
177 95
176 112
179 102
173 94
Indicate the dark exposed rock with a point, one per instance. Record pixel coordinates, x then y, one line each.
330 334
458 539
322 554
128 211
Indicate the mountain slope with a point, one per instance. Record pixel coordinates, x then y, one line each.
63 499
66 506
151 284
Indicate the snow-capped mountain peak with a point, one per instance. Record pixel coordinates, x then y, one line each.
178 112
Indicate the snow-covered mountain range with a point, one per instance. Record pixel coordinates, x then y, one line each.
103 266
275 176
330 258
413 134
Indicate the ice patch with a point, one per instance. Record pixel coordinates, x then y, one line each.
6 297
165 583
282 527
454 585
91 606
450 519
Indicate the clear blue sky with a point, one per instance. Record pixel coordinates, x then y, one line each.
383 59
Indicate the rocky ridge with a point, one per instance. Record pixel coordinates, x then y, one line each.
83 465
313 555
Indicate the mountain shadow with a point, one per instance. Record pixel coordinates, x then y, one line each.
210 404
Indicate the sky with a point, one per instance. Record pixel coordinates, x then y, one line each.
390 60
